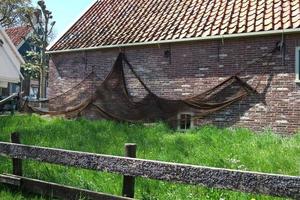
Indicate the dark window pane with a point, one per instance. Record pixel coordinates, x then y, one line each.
188 121
185 121
182 121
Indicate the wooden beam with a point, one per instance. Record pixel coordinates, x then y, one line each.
55 190
252 182
129 181
8 99
17 163
10 180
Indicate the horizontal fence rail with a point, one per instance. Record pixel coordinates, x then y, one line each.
55 190
8 99
252 182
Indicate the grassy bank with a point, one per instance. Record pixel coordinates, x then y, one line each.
209 146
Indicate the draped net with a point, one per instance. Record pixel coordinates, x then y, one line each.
111 100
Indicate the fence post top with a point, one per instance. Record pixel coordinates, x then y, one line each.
130 144
15 137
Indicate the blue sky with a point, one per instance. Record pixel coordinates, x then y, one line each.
65 11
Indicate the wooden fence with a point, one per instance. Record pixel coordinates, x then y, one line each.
243 181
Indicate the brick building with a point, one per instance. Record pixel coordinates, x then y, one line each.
183 48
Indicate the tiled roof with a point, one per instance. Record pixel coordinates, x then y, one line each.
17 34
118 22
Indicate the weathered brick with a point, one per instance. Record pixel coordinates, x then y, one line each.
169 77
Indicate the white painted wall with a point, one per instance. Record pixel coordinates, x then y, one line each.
10 61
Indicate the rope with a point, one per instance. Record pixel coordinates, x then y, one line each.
60 95
270 53
262 74
135 74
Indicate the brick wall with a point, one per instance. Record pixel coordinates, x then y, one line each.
193 68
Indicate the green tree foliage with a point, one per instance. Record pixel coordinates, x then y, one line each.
12 12
40 20
31 68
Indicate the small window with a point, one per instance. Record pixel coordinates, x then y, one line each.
185 121
297 70
13 88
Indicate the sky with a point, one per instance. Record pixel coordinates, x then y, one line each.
65 12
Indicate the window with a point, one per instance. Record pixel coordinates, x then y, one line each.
297 64
34 92
185 121
13 88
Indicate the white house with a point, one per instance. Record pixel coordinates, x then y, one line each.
10 62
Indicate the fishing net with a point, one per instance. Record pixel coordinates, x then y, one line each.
112 100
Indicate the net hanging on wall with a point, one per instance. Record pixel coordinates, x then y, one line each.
112 100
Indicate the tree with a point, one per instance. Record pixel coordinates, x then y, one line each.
12 12
42 24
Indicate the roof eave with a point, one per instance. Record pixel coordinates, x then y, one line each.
237 35
25 39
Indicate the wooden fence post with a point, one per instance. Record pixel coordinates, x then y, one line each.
17 163
12 107
129 181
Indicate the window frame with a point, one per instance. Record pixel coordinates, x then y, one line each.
297 65
179 120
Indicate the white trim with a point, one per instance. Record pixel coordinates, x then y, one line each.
25 39
9 80
31 33
71 25
14 50
297 64
192 114
12 46
296 30
14 64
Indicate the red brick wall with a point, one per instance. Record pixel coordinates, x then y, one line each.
193 68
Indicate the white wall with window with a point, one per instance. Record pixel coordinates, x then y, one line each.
10 62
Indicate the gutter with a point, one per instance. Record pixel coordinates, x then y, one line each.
237 35
9 80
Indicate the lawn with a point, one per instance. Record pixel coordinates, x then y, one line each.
208 146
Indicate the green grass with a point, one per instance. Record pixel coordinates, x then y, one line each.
209 146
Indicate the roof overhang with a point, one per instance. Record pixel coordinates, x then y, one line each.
24 39
217 37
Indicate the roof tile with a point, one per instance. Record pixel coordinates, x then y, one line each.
113 22
18 34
